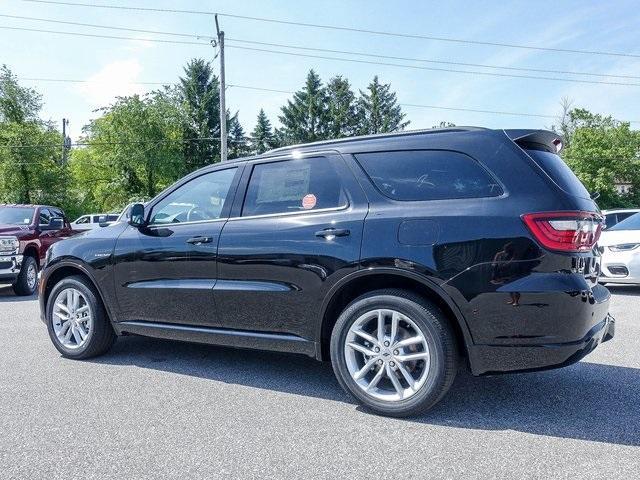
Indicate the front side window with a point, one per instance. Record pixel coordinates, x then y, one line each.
82 220
295 185
45 217
201 199
415 175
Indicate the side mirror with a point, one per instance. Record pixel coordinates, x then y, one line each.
136 218
55 223
102 221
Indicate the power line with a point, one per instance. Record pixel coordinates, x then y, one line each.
323 57
290 92
349 29
346 52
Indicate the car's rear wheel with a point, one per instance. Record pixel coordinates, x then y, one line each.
394 352
27 280
77 321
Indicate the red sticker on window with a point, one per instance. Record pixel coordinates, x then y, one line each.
309 201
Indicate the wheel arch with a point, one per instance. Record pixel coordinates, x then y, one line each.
67 269
361 282
32 250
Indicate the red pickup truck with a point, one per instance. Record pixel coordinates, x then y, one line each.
26 232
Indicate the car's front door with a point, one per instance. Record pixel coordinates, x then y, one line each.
166 270
293 234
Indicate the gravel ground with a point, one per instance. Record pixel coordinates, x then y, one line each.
157 409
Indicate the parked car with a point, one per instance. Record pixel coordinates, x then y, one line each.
26 233
396 257
95 220
612 217
620 246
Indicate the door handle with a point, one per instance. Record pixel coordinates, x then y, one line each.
199 240
333 232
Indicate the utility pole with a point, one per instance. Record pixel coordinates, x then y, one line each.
223 108
66 141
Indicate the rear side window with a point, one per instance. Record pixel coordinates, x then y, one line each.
293 186
559 172
428 175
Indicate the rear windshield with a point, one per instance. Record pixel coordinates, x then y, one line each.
559 172
631 223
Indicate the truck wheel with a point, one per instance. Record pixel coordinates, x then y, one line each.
394 352
76 319
27 280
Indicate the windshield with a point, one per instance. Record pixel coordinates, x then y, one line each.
631 223
16 215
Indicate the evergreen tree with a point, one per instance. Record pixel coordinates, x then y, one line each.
341 110
200 93
236 140
262 137
378 109
305 118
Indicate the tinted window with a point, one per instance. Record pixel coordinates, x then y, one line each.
610 220
428 175
202 198
56 212
559 172
631 223
293 186
112 218
45 216
82 220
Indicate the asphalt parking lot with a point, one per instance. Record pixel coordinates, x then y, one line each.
157 409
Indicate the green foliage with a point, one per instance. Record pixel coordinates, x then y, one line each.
199 92
262 138
17 104
135 149
378 110
237 141
305 118
342 113
603 151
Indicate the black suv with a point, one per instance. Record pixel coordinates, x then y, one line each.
396 257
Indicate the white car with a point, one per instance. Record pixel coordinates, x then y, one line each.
620 246
614 216
89 222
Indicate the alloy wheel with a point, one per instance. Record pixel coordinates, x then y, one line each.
32 276
387 355
72 318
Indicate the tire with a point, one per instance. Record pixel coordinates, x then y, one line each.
98 333
27 281
432 374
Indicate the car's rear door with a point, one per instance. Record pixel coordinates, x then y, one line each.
295 230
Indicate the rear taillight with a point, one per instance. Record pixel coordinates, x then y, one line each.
565 231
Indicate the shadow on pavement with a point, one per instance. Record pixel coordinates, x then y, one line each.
585 401
7 295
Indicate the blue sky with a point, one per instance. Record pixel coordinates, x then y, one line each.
583 25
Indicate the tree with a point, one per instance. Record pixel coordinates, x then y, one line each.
342 114
305 118
237 140
17 104
444 124
378 109
262 138
603 151
199 90
30 149
135 149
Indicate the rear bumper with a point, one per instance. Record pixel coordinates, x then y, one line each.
10 269
496 359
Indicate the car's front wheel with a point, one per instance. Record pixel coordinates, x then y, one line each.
77 321
27 280
394 352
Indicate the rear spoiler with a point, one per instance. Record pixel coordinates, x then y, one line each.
542 138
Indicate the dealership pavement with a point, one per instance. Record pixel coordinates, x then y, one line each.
152 409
